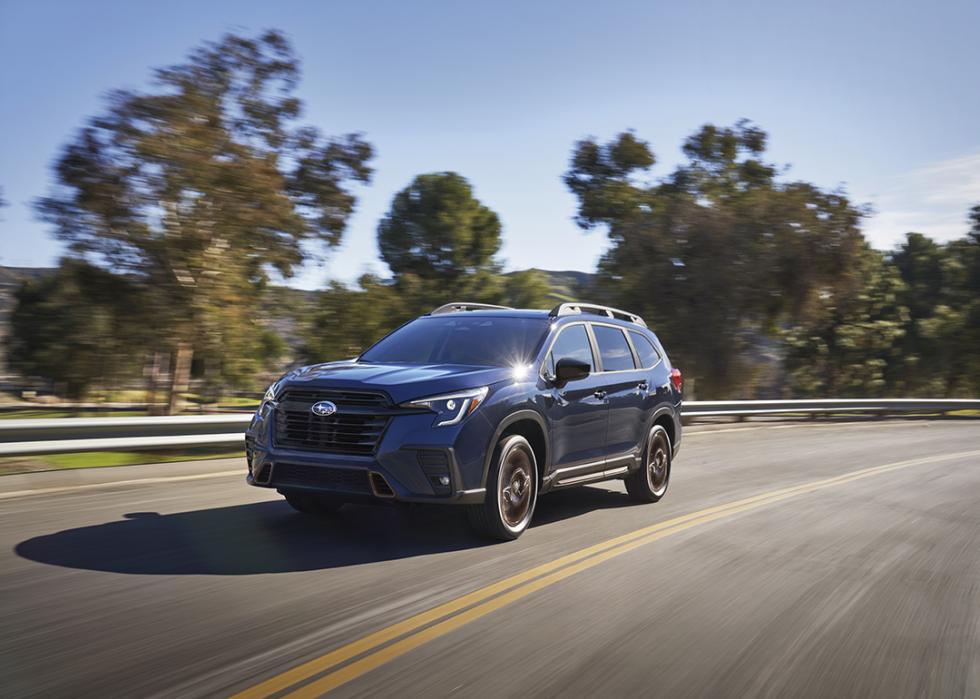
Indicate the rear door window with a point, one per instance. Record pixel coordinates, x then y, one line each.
647 353
614 349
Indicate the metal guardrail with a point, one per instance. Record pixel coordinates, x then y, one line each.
54 435
827 406
71 434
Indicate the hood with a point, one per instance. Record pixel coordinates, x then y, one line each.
402 382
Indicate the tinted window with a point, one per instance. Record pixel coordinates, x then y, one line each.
613 348
473 340
572 342
644 348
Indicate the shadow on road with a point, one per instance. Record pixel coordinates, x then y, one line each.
269 537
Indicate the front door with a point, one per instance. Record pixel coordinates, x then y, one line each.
577 411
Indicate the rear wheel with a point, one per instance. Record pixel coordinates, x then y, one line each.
512 491
649 483
310 504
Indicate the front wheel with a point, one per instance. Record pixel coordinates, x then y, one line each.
512 491
649 483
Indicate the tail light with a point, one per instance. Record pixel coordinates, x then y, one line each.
676 379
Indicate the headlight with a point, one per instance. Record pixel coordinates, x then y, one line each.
450 408
270 393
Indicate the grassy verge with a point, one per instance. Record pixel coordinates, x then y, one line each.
95 459
28 414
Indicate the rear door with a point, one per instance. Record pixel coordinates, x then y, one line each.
626 388
577 411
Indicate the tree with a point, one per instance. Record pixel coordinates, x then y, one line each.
924 268
527 289
440 243
852 336
77 327
941 345
345 321
717 254
199 188
438 233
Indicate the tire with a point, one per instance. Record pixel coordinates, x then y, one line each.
512 491
310 504
649 482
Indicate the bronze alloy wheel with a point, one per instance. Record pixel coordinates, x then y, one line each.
658 462
512 491
516 487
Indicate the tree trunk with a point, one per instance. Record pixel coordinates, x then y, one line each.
153 372
180 376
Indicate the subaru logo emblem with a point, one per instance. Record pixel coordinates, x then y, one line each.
324 408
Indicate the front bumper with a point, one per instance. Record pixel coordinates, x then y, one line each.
413 462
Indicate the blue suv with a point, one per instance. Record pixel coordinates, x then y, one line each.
476 405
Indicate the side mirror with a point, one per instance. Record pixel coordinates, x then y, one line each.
568 369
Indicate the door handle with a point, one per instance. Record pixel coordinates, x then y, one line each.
599 394
643 385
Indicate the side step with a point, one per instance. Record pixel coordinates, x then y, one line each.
606 475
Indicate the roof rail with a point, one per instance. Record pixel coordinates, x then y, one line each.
467 306
567 309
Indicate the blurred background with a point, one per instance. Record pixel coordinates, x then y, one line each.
196 198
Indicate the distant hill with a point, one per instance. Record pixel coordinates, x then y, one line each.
567 285
15 276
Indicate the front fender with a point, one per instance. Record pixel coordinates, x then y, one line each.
510 419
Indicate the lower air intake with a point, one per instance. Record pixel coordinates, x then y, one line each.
380 486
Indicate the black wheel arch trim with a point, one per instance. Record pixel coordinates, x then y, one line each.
517 416
663 410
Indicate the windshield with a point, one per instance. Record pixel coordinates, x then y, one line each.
472 340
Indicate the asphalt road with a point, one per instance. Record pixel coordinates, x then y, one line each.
827 576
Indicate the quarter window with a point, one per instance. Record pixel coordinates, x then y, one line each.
647 353
573 343
613 348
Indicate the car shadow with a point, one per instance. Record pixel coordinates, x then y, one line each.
269 537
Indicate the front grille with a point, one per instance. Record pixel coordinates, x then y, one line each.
343 399
355 428
345 480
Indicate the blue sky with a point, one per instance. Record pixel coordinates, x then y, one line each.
882 97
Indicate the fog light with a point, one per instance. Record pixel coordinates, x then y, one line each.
443 480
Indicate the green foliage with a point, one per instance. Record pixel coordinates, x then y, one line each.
601 176
439 232
527 289
198 188
77 326
272 347
852 334
344 321
718 252
941 347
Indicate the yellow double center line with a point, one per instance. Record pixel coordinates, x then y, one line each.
385 645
